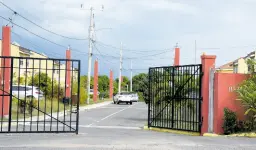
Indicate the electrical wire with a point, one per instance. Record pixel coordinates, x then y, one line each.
137 50
16 13
33 45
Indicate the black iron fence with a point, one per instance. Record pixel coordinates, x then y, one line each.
39 95
175 97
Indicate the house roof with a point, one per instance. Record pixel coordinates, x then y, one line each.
227 66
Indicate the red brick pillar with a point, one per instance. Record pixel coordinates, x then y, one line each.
68 72
111 85
208 62
95 83
5 71
177 56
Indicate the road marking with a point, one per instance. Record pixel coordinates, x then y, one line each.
115 113
111 127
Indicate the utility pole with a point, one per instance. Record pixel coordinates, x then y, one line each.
120 71
131 78
89 56
195 51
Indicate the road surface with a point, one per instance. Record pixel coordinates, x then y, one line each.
119 127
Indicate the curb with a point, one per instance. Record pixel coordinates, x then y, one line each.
249 135
171 131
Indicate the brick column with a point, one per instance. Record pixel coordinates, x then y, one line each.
208 62
5 71
68 72
111 84
177 56
95 83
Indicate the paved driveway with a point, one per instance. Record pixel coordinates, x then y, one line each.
118 127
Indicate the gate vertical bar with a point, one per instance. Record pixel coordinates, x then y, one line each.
200 101
10 106
78 95
173 87
149 97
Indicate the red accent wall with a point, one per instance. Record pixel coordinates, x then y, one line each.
208 62
95 84
224 96
68 72
177 57
5 71
111 85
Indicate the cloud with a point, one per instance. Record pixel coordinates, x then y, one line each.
143 24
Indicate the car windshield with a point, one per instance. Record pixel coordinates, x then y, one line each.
124 93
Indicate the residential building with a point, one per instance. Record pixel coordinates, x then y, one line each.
30 67
226 68
240 65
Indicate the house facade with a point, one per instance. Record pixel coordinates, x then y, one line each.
240 65
30 67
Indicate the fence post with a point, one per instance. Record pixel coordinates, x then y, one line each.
208 62
5 71
111 84
95 84
68 77
177 56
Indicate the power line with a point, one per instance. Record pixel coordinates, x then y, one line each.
35 33
102 55
16 13
33 45
137 50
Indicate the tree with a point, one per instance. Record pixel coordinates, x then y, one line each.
83 92
247 92
43 82
103 83
140 85
125 82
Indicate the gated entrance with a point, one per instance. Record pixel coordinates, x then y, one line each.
39 95
175 97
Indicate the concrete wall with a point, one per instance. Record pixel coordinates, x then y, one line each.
225 96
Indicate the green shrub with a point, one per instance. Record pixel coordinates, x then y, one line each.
230 122
141 97
83 95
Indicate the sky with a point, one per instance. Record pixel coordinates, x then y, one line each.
145 27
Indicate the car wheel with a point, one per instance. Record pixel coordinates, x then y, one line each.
130 103
117 103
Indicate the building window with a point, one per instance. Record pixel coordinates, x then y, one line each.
235 69
21 62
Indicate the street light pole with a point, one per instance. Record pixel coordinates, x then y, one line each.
131 78
89 57
120 71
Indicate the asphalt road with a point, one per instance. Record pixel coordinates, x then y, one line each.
119 127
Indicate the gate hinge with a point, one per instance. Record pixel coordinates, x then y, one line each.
201 122
202 73
201 99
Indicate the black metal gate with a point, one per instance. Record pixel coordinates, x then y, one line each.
175 97
39 95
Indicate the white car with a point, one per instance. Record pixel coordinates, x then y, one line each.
91 92
135 97
22 91
123 97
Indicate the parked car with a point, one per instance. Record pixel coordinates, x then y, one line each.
123 97
22 91
135 97
91 92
